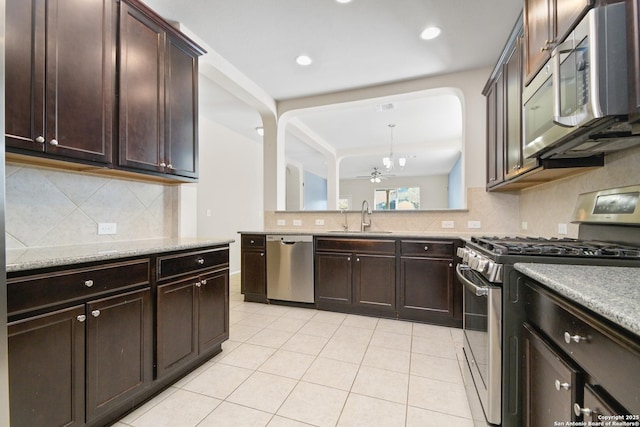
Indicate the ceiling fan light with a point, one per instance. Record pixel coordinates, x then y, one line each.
386 161
430 33
402 161
378 180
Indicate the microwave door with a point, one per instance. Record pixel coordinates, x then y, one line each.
572 83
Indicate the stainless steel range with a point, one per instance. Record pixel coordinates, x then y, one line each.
609 235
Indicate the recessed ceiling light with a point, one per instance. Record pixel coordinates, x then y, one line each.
430 33
343 1
260 130
303 60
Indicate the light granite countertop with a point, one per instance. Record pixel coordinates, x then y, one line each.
44 257
612 292
368 233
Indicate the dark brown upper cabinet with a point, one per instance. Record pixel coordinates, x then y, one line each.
546 23
60 78
158 71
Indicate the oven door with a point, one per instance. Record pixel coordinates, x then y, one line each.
482 322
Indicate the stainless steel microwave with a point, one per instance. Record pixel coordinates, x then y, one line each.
581 93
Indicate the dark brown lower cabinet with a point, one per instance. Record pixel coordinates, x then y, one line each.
356 275
119 350
192 318
551 383
46 369
254 275
110 338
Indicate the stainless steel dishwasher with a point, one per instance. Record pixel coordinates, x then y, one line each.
290 268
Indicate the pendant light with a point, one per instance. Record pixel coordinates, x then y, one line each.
389 161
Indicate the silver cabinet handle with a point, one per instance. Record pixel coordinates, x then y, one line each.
198 284
261 253
170 166
204 281
581 411
562 386
95 313
357 259
40 139
81 318
53 142
568 338
163 165
348 258
426 248
253 241
88 283
201 261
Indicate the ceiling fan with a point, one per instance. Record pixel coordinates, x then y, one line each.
375 176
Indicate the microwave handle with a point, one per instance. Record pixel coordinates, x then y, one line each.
573 120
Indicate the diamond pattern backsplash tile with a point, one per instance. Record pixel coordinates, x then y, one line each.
51 207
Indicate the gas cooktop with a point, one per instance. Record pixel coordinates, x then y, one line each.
555 247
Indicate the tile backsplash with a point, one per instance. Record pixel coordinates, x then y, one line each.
48 207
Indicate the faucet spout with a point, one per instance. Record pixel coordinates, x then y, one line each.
364 210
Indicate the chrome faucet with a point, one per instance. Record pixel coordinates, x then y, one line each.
365 209
345 226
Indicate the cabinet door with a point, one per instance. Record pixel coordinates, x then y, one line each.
141 67
538 35
213 310
550 383
374 282
181 116
333 279
595 405
254 276
46 369
495 132
176 325
80 78
567 15
24 73
426 287
58 71
119 349
633 57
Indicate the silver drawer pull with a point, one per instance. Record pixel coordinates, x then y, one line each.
253 241
53 142
40 139
261 253
562 386
95 313
88 283
201 261
81 318
204 281
426 248
198 284
568 338
581 411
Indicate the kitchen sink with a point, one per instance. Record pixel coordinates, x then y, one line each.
360 232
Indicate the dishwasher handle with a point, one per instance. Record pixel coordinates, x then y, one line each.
287 242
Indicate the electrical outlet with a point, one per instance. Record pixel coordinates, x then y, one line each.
473 224
106 228
319 221
562 229
282 222
525 225
208 212
448 224
297 222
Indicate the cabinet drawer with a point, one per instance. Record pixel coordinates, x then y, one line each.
427 248
192 262
605 353
250 241
45 290
364 246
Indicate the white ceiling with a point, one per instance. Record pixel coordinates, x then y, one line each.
360 44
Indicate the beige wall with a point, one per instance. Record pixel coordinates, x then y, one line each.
545 206
47 207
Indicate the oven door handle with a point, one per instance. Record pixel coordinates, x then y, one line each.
479 291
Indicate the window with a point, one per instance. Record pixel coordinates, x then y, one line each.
404 198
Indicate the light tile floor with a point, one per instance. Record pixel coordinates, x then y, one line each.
289 366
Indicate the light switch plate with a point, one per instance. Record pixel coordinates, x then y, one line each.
282 222
107 228
562 229
448 224
297 222
319 221
473 224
